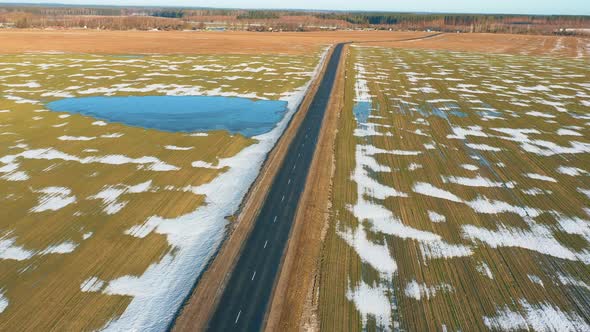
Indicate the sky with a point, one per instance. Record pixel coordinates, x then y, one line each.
573 7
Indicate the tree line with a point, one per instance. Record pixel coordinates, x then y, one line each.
122 18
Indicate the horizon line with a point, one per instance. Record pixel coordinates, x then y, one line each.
48 4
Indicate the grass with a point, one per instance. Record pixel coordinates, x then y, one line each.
497 92
44 290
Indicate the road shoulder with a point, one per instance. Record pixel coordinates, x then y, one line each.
294 301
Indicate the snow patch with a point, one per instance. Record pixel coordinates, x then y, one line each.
53 199
110 195
427 189
418 291
541 177
436 217
537 317
178 148
372 301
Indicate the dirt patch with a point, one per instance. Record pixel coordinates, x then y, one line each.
200 306
297 285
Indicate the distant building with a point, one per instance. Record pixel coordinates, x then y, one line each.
578 31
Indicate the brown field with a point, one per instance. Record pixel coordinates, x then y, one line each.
501 43
176 42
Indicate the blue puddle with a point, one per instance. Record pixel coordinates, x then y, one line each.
361 111
451 108
180 114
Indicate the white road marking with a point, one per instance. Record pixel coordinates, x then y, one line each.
275 220
238 317
288 182
265 243
294 166
282 199
253 275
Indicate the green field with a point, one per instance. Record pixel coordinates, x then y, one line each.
461 195
96 214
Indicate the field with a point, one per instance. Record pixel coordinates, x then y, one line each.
108 226
460 199
502 43
164 42
176 42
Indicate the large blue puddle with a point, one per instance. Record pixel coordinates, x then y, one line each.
180 114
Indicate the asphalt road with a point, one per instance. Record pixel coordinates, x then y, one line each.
246 297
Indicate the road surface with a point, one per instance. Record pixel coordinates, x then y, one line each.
247 295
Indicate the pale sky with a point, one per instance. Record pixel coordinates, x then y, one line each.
573 7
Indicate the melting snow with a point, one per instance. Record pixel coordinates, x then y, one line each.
541 177
376 255
110 195
470 167
540 114
204 164
429 190
571 171
8 250
53 199
418 291
3 301
478 181
76 138
483 147
436 217
539 238
178 148
537 317
372 301
62 248
484 269
568 132
535 279
154 164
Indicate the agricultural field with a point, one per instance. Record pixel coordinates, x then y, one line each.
461 194
108 226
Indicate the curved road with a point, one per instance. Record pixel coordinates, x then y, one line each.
246 298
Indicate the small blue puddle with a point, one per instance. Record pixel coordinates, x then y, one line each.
361 111
180 114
